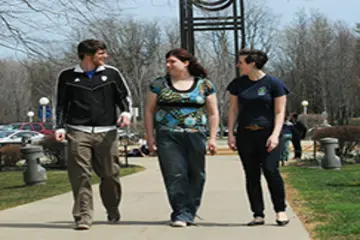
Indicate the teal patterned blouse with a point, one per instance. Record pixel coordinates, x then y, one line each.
181 111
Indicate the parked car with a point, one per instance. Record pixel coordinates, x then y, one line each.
44 128
5 127
15 137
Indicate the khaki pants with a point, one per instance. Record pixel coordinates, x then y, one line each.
96 151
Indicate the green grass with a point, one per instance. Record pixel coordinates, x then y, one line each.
330 200
14 193
355 121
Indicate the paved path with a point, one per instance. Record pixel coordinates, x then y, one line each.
145 211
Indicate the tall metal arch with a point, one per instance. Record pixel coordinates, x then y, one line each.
189 24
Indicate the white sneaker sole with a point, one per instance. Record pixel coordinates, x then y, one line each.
81 227
179 224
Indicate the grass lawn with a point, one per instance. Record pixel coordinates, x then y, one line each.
327 201
355 121
14 193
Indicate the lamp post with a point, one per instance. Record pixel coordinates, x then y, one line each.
221 112
305 104
135 112
325 121
30 114
43 102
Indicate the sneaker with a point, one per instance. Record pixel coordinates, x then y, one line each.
114 217
178 223
256 222
81 226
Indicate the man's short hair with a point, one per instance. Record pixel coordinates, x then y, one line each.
256 56
90 47
295 115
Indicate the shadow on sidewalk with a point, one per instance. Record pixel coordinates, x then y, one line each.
212 224
69 225
36 225
150 223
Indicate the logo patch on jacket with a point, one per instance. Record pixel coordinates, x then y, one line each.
104 78
77 80
262 91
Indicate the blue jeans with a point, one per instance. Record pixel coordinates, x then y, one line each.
182 163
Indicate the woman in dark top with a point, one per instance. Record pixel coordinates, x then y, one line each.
257 106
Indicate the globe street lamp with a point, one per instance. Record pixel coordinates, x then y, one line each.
43 102
305 104
30 114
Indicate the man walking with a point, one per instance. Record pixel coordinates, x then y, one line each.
86 100
299 133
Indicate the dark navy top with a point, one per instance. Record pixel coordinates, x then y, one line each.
288 128
256 99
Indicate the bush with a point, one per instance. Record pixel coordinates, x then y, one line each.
52 148
10 155
312 120
348 136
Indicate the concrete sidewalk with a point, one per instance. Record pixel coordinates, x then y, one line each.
145 211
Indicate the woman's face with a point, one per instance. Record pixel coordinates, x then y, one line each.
174 66
245 68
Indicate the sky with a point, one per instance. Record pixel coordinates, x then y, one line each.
345 10
163 10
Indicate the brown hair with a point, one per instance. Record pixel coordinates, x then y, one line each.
194 67
90 47
256 56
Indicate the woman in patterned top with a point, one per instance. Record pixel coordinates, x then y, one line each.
175 108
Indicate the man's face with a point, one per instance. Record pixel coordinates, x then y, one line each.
99 57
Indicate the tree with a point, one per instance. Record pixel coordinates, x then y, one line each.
317 61
23 21
15 97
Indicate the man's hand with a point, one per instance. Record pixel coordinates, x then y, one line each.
124 121
60 136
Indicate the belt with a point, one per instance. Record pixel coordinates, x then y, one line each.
88 129
254 127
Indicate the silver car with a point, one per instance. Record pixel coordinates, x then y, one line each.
15 137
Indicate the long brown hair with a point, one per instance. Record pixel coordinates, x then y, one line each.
194 67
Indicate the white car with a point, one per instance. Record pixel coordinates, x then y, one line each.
15 137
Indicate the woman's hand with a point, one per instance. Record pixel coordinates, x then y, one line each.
232 142
151 144
272 142
212 146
